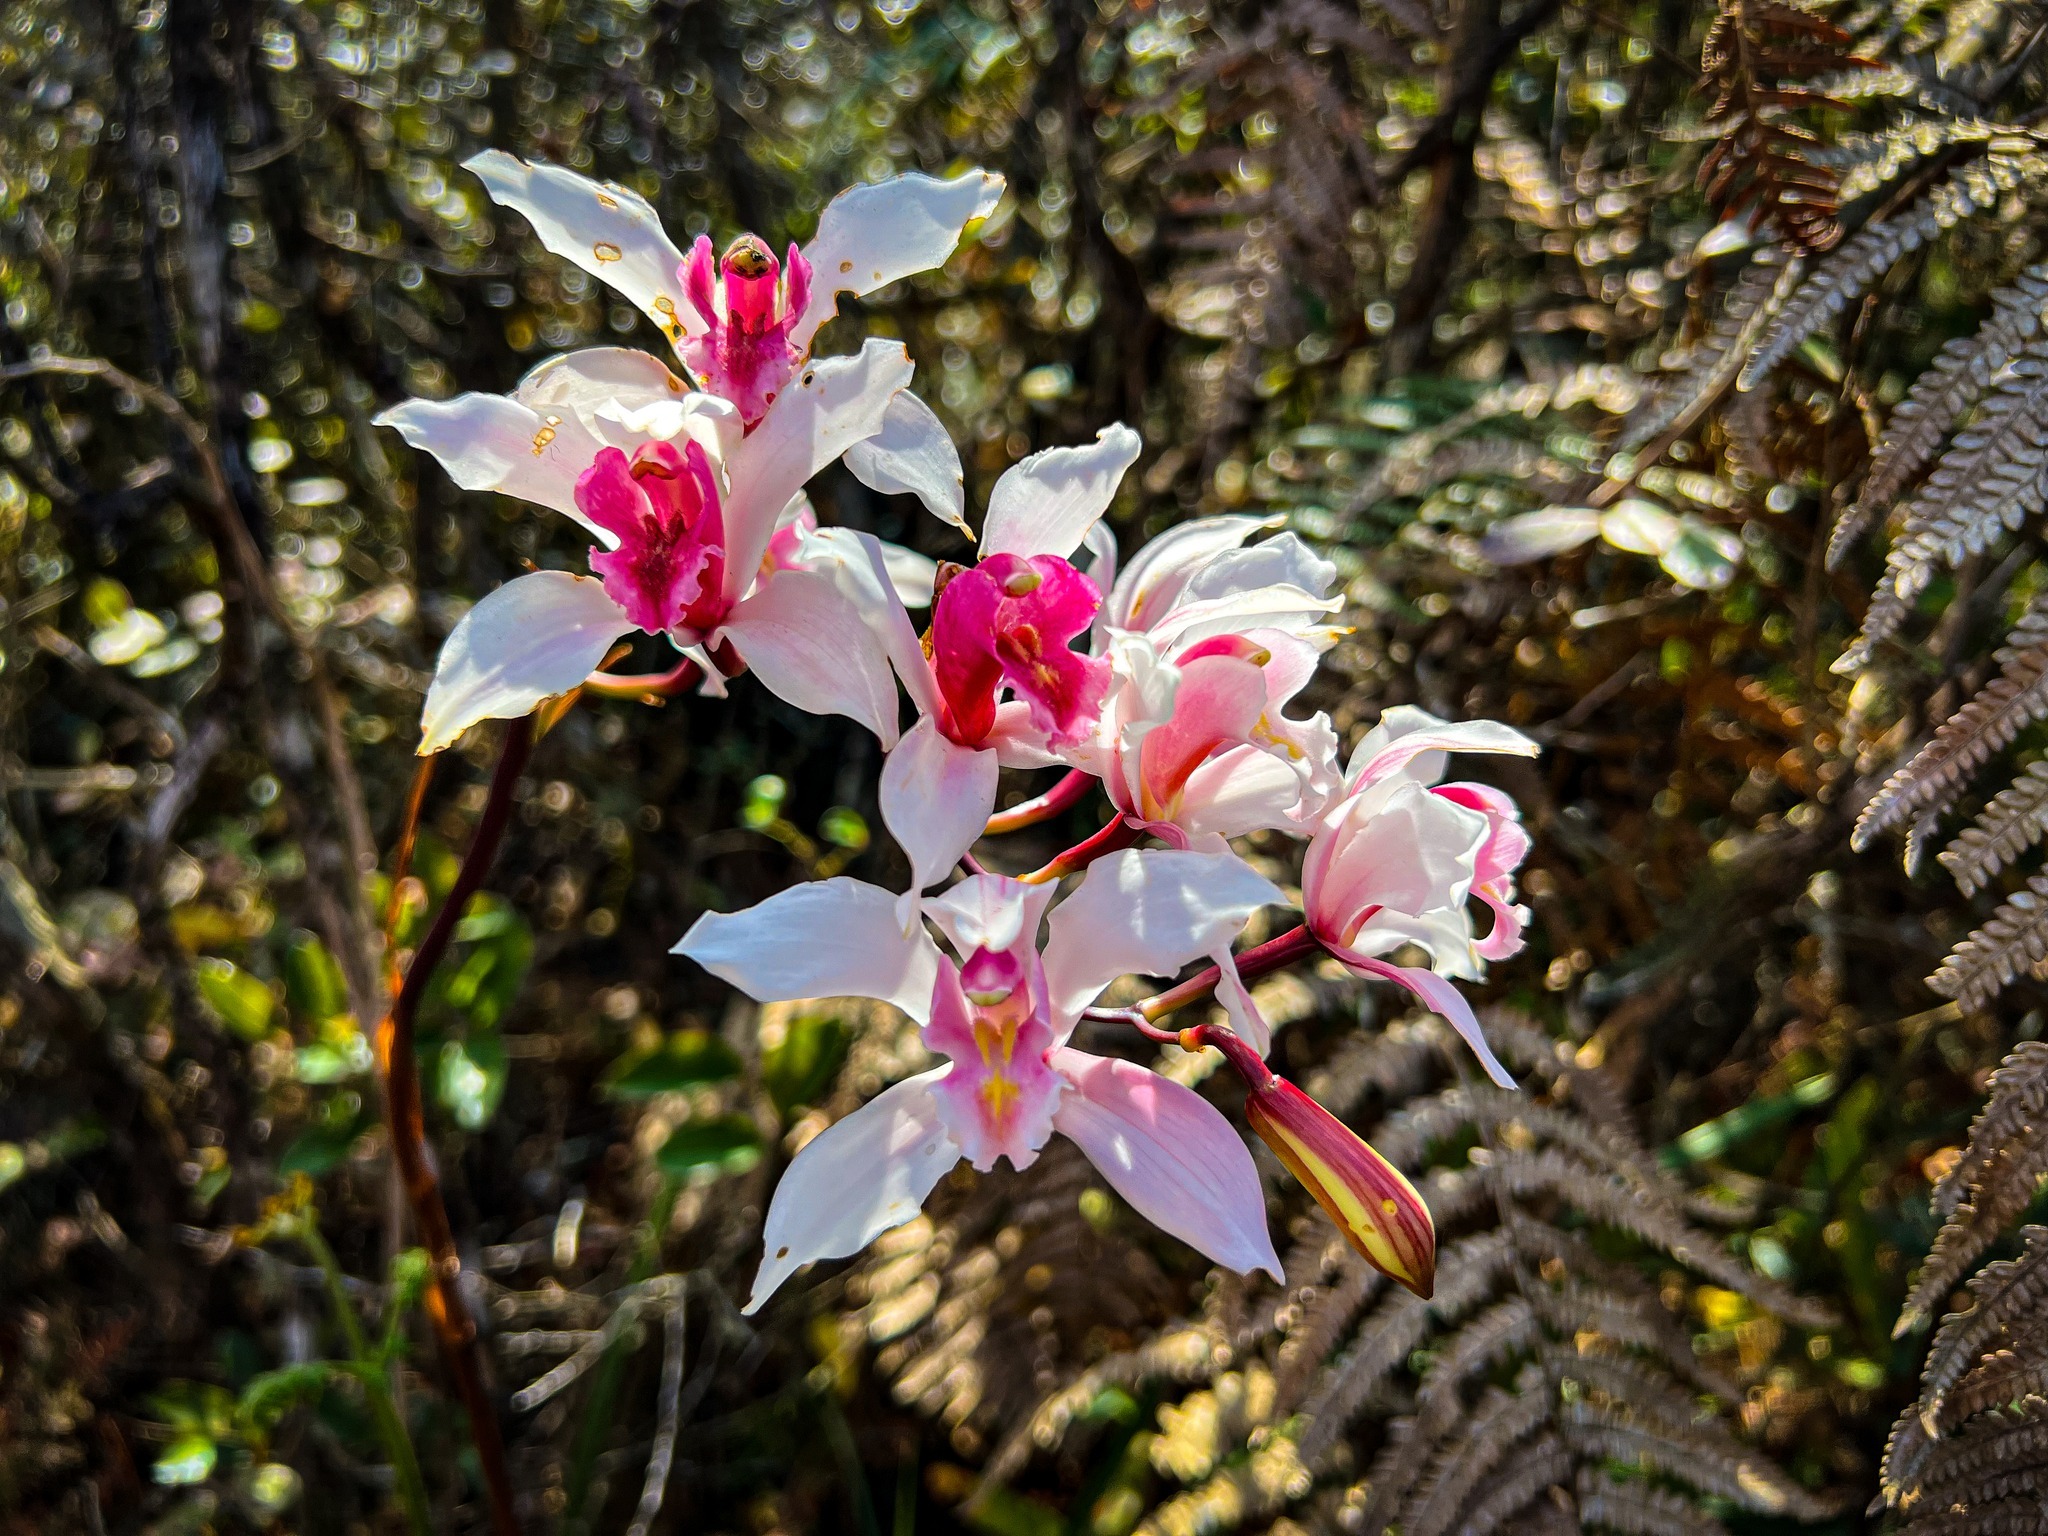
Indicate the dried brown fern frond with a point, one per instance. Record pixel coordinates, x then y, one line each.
1757 60
2014 821
1509 1399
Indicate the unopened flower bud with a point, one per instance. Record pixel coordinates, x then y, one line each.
1371 1201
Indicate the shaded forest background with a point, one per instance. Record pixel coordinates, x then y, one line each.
1739 284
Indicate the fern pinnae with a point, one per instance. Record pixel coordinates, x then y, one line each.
2014 820
1763 286
2016 1108
2004 1292
1541 1465
2015 939
1505 1329
1850 271
1494 1430
1963 370
1932 778
1638 1508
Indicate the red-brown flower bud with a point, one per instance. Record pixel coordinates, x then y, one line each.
1371 1201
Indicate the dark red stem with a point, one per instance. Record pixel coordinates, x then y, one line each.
454 1328
1069 791
634 685
1114 835
1262 960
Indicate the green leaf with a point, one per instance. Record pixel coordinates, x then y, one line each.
322 1062
187 1459
312 979
799 1069
272 1395
728 1144
472 1079
241 1001
323 1144
686 1059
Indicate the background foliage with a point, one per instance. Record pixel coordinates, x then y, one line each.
1402 271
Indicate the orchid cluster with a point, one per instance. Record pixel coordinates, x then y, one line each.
1164 685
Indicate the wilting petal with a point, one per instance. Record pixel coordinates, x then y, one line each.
535 637
834 404
826 938
870 236
855 1180
1538 535
1046 504
1372 1204
936 797
1406 737
1171 1155
607 231
1439 996
812 647
1150 584
1146 912
913 455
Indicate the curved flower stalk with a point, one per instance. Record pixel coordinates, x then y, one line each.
1398 857
684 506
1001 1013
1001 682
743 323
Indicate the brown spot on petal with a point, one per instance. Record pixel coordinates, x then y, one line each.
604 201
782 1252
604 250
846 266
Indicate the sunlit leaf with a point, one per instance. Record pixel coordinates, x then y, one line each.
728 1144
242 1002
686 1059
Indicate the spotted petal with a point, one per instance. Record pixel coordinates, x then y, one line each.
611 233
870 236
854 1181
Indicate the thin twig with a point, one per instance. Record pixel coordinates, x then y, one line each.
663 1456
398 1062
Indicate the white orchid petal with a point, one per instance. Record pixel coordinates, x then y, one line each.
936 797
1146 912
1285 561
828 938
1413 741
1147 587
1170 1153
912 576
990 912
611 233
813 647
833 404
1046 504
534 638
854 1181
870 236
913 455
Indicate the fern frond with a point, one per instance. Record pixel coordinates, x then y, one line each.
2013 822
1714 360
1964 369
2015 939
1992 1183
1868 161
1639 1508
1850 272
1937 773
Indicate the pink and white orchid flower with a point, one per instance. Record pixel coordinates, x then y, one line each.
1193 745
683 505
1003 626
743 323
1201 579
1001 1015
1395 861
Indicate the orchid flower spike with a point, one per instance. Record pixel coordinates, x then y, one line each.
684 507
1001 1014
742 322
1002 683
1398 857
